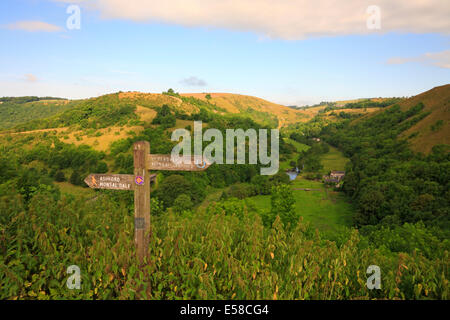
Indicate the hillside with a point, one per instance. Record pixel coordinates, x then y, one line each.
144 105
237 103
387 182
102 120
18 110
132 111
255 108
435 128
48 114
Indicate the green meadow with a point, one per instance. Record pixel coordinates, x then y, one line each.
325 209
333 160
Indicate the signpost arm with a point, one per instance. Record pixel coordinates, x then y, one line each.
141 198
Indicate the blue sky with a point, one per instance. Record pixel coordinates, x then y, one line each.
111 52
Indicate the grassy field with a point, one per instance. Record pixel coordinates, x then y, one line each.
102 138
145 114
333 160
324 209
299 146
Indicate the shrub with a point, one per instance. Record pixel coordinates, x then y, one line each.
240 190
59 176
76 179
182 203
171 187
283 205
102 167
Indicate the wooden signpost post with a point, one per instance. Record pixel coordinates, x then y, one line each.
140 183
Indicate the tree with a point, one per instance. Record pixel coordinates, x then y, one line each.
279 178
171 187
75 178
165 117
313 164
30 182
261 184
59 176
182 203
102 167
165 110
283 205
240 190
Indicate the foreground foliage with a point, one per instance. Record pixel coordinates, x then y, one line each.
193 256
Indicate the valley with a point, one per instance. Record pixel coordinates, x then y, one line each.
228 232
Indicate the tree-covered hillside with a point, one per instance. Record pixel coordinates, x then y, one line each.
390 184
15 110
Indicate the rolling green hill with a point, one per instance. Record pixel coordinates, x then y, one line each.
100 121
434 127
119 108
19 110
122 108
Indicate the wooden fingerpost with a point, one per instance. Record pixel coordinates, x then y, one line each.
140 183
141 199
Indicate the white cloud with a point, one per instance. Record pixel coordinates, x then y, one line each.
30 77
285 19
193 82
438 59
34 26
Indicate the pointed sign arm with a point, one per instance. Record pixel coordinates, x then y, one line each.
113 181
164 162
